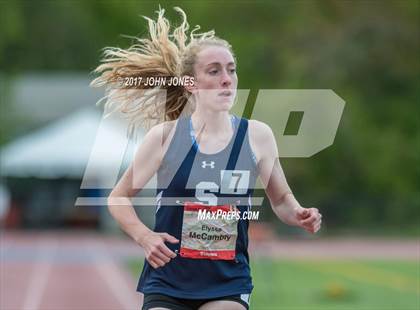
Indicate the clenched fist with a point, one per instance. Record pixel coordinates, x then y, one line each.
309 219
157 253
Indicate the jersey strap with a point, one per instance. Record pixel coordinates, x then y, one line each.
237 145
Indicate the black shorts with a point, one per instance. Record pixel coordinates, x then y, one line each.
154 300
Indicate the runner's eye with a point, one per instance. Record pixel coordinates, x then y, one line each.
213 72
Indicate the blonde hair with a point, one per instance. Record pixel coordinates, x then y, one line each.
162 55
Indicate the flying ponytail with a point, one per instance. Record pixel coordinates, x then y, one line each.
164 54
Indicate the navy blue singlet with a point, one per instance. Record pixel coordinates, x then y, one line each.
186 174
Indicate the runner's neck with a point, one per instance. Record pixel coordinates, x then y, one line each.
218 123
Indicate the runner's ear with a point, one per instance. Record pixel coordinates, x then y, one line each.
190 87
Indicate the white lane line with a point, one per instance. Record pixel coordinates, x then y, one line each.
39 277
114 277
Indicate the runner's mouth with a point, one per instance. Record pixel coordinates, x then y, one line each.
226 93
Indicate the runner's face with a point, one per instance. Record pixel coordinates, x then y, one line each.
215 78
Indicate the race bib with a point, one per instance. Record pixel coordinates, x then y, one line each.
209 232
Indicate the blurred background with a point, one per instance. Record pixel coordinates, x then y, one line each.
55 255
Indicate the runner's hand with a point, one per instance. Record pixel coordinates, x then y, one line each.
309 219
157 253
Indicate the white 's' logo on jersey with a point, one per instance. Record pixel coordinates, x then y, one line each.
205 164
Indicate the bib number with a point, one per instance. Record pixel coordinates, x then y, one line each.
210 237
233 182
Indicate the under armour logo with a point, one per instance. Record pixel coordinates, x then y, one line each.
204 164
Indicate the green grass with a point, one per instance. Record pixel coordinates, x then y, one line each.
321 284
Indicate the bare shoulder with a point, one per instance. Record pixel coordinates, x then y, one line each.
162 131
155 142
259 129
161 135
261 138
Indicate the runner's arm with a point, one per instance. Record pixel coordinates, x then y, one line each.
282 200
144 165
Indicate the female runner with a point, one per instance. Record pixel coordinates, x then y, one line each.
206 162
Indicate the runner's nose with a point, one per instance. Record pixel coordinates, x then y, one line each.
226 79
